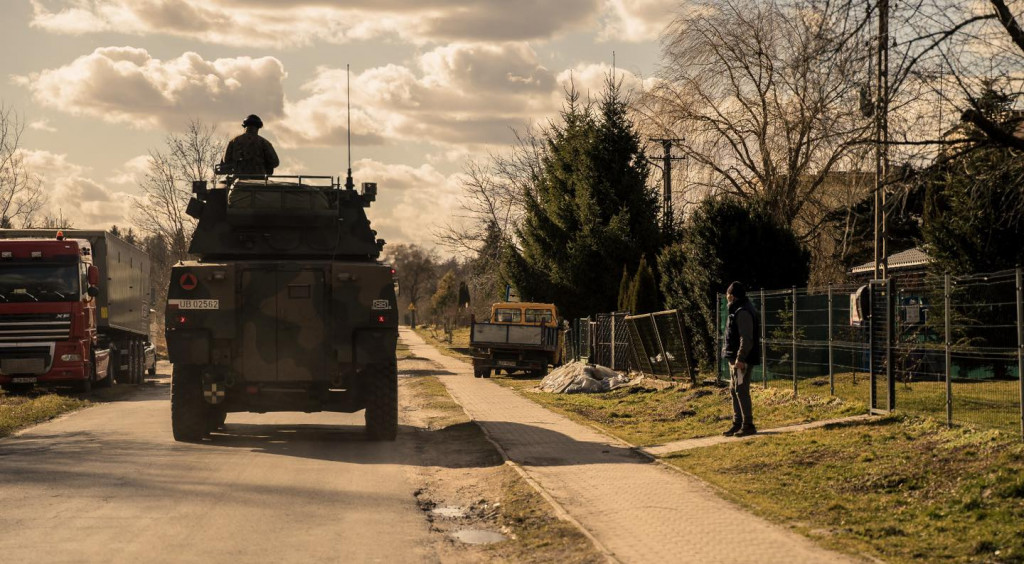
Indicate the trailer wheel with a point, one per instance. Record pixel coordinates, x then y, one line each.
189 412
381 384
116 373
140 362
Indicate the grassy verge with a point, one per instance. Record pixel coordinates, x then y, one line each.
539 535
434 398
901 489
18 412
648 416
457 348
402 352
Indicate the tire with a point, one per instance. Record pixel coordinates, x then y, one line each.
140 362
381 384
189 411
152 371
478 373
115 367
84 386
215 419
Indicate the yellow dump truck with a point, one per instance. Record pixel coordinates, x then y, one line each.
518 337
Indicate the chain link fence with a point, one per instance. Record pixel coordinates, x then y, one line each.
654 344
947 347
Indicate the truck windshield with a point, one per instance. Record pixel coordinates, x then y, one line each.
39 283
507 315
538 315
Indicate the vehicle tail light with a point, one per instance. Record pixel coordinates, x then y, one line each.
182 319
381 319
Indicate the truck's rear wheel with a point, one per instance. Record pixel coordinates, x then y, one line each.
189 412
381 384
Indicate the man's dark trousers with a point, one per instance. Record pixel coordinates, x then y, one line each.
741 406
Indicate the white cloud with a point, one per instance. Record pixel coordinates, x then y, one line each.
637 20
411 201
71 192
293 23
42 125
127 85
132 172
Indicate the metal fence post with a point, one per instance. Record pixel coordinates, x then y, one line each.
947 301
794 342
661 347
686 348
1020 345
764 347
613 341
831 371
718 337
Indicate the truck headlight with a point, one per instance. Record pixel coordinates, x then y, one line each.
71 357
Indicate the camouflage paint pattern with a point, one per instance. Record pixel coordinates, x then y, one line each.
289 294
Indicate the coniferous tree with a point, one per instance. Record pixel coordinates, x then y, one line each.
588 211
644 291
625 287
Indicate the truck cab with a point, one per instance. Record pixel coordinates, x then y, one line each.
48 329
519 337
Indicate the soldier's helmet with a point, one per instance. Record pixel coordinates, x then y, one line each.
253 120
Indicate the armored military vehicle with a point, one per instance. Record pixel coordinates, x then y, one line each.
287 308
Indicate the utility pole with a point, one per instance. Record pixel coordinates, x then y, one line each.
666 170
882 142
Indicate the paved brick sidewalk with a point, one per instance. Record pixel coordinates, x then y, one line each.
639 510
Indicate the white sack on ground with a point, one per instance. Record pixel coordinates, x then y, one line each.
578 377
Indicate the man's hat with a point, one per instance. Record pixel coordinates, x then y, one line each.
252 120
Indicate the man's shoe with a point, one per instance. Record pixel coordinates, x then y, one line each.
732 431
746 431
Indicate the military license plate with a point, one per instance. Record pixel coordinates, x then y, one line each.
23 380
506 363
198 304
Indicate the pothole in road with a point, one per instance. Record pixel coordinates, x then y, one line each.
478 536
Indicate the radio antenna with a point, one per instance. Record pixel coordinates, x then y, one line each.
349 185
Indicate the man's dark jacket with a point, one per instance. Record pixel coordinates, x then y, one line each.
732 351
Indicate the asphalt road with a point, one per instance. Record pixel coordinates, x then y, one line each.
109 484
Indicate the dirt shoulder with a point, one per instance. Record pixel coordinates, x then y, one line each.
468 491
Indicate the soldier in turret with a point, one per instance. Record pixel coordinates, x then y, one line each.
250 154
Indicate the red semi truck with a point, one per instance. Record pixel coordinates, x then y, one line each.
74 308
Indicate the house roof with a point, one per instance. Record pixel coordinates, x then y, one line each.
899 261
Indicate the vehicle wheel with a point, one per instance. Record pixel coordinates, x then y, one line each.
116 373
485 373
152 371
189 412
478 373
381 384
84 386
215 419
140 362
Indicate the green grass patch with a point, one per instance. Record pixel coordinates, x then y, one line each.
901 489
457 348
18 412
646 416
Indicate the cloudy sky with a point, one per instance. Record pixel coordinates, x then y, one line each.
434 83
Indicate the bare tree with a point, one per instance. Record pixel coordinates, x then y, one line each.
765 99
416 268
167 188
21 194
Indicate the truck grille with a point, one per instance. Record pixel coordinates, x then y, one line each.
26 360
31 327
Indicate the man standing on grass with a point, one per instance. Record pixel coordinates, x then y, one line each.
743 351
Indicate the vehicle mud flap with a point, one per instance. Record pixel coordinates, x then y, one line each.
215 419
189 410
380 384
